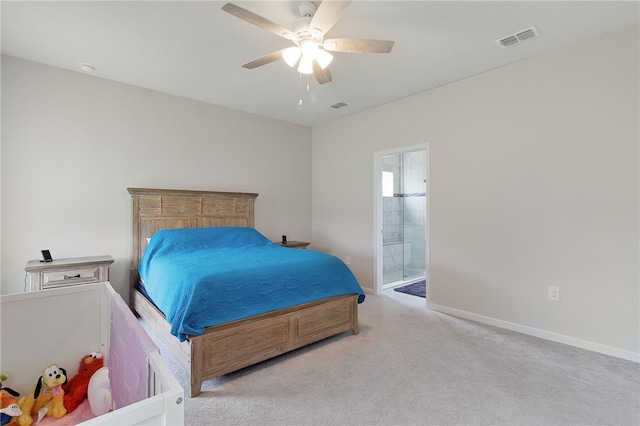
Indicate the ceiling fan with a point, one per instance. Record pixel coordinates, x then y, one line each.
311 49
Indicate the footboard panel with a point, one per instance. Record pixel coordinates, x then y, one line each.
225 349
319 322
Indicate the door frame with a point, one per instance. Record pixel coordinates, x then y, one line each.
377 212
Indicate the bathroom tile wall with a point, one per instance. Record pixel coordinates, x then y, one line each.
404 218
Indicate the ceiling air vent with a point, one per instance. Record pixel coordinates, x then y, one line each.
519 37
338 105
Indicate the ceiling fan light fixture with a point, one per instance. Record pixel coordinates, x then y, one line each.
323 58
309 48
291 55
306 65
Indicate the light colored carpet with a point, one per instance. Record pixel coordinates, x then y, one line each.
412 366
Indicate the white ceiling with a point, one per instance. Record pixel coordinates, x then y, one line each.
195 50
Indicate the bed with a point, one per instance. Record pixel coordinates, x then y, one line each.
234 343
61 326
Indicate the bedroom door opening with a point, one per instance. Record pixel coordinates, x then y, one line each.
402 226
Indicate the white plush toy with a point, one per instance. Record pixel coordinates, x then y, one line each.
99 392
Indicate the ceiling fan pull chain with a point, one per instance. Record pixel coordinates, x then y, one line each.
300 90
308 87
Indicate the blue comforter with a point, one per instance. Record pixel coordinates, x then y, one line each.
209 276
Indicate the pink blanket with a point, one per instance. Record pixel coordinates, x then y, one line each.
79 415
129 351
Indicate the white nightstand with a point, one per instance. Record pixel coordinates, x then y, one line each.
67 272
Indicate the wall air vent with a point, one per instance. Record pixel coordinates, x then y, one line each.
519 37
338 105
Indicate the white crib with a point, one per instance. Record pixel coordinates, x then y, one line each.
60 326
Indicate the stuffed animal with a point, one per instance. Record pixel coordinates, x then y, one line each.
8 404
99 393
75 390
46 397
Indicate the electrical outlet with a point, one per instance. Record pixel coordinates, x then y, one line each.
554 293
348 260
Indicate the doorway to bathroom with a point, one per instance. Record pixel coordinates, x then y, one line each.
401 217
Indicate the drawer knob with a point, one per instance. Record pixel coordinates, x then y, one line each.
68 277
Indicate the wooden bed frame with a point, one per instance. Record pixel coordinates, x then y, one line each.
228 347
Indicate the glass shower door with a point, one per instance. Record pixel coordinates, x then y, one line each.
403 218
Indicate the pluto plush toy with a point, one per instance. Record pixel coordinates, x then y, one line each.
46 398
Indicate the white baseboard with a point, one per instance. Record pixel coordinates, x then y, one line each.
548 335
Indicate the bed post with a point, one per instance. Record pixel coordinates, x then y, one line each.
355 328
135 245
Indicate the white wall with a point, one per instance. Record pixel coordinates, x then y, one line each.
72 144
534 182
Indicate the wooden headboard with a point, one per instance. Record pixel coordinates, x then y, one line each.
156 209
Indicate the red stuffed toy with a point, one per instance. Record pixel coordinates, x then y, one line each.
75 391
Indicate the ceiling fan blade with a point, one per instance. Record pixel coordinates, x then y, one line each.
257 20
326 17
322 75
358 45
267 59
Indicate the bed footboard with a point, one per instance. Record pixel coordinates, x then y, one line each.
230 347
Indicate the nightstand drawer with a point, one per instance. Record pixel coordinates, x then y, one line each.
70 277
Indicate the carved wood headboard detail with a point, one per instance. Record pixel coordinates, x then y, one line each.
156 209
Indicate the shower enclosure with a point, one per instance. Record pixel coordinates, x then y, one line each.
404 186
